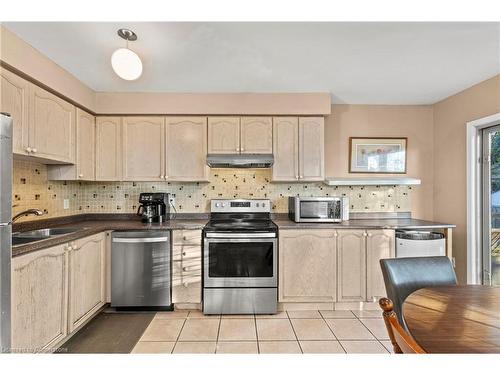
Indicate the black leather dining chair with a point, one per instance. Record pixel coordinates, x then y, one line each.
403 276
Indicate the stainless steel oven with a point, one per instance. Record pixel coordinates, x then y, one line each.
318 209
240 258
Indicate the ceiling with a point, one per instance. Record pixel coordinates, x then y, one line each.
357 63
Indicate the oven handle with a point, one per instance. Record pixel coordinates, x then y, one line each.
240 235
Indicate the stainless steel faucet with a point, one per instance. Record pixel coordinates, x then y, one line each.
31 211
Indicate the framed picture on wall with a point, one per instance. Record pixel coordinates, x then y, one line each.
377 155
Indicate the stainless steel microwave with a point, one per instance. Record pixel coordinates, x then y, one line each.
318 209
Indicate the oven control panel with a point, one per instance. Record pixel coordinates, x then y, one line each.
240 205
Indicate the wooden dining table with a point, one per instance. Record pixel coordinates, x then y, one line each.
455 319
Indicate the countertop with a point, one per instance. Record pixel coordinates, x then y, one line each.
94 224
416 224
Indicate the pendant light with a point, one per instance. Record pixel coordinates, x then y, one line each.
125 62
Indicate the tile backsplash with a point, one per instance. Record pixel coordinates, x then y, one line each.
31 189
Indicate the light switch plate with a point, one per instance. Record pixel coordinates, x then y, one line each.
66 204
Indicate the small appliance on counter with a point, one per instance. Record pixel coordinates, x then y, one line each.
240 258
154 207
318 209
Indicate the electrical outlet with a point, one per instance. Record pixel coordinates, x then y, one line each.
172 199
66 204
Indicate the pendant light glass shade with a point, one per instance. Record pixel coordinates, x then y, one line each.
127 64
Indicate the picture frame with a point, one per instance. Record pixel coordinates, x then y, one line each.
378 155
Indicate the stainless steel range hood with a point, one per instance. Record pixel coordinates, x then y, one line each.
240 160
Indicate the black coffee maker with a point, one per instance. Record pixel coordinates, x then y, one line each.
154 207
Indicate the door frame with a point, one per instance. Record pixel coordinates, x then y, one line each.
475 196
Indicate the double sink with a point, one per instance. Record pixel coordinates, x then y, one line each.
21 238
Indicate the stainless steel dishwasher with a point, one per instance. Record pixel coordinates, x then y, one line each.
141 269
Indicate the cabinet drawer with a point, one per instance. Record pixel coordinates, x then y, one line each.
182 237
186 252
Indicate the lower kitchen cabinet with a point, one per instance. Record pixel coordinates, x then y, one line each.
39 299
307 265
87 279
186 266
351 277
55 291
380 244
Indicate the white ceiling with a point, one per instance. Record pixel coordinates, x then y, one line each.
358 63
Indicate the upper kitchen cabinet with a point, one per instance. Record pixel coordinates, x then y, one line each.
51 128
15 94
223 135
311 149
84 168
108 149
298 149
187 149
143 148
256 135
286 148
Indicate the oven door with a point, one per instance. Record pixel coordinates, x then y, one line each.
240 262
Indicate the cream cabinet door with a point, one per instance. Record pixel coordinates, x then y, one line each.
85 146
87 279
186 266
256 135
351 271
307 265
15 94
380 244
285 146
187 149
143 148
52 127
39 299
311 149
223 135
108 149
84 169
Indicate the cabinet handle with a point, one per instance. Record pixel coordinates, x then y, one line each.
301 177
162 177
335 234
242 149
184 253
369 234
69 248
185 284
28 149
237 149
33 150
297 177
166 177
365 234
80 175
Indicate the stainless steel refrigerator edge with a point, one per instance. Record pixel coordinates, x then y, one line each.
5 228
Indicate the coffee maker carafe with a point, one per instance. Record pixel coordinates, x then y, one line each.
154 207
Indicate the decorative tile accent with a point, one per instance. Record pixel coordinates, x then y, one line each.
33 190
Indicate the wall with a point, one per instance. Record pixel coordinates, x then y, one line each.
23 57
414 122
32 190
450 171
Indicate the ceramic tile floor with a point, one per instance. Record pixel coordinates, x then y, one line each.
287 332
